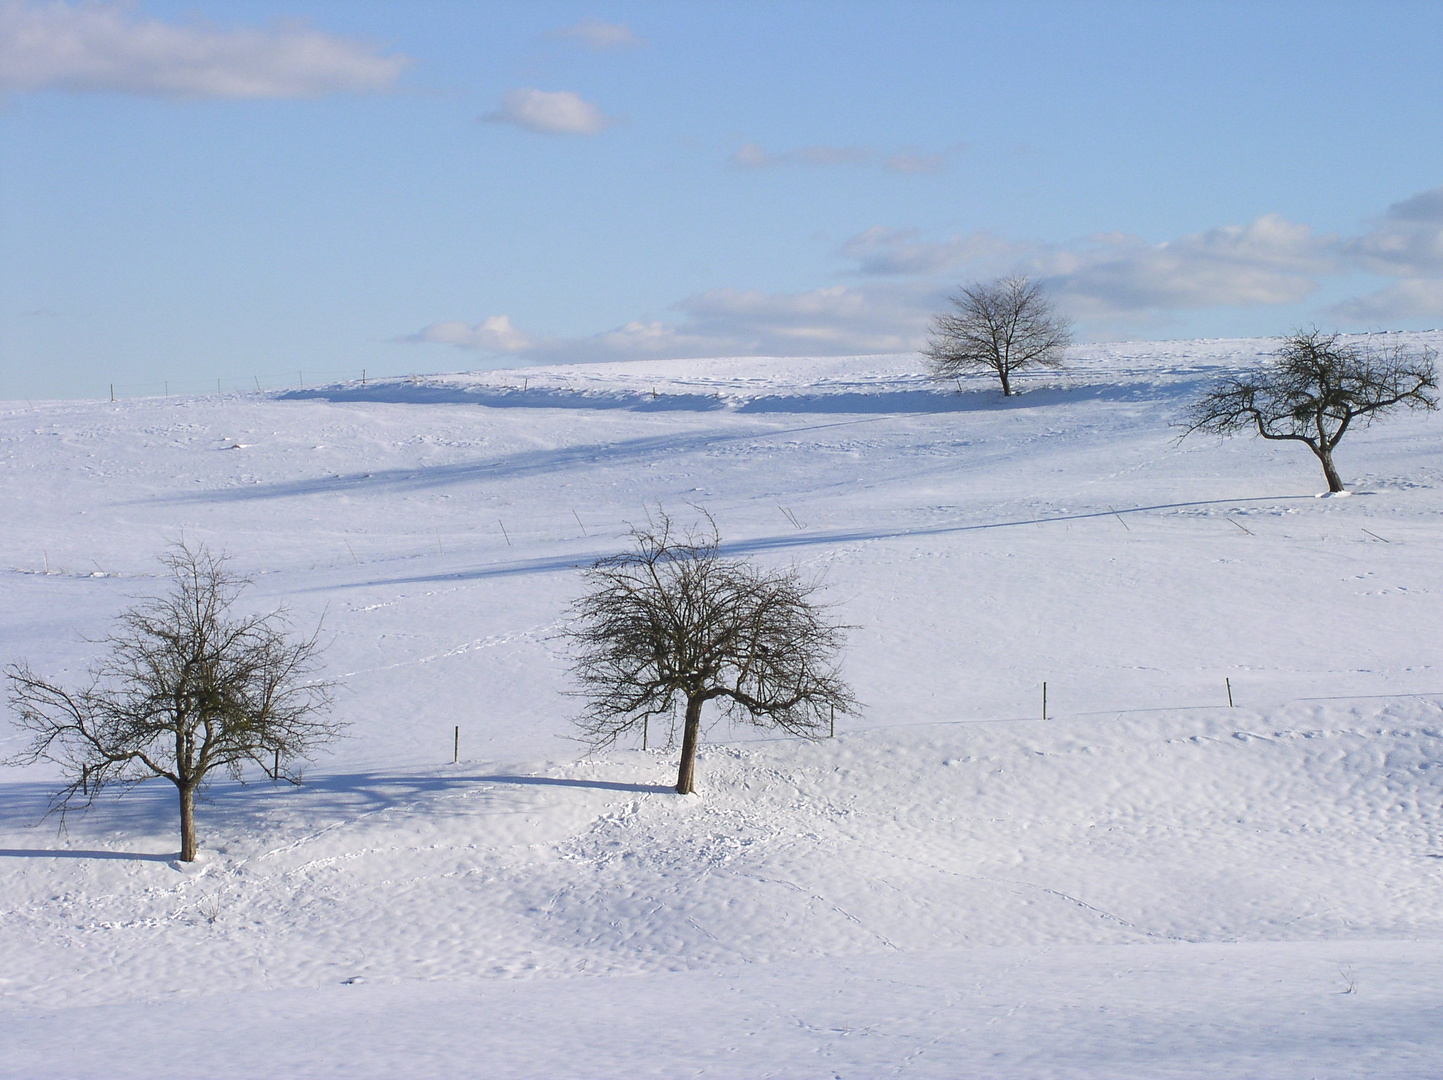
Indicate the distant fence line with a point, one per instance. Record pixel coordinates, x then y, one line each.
275 381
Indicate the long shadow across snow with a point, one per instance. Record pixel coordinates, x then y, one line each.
561 781
350 783
506 467
344 796
1132 386
784 542
540 397
857 407
945 401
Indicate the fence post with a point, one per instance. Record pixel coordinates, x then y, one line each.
456 747
1229 684
1044 701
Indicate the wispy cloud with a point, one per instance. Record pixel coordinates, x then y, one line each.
599 35
909 162
1407 298
754 156
830 321
883 252
1407 241
1269 261
905 279
552 112
834 321
1111 280
98 47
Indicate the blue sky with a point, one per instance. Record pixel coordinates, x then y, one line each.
201 191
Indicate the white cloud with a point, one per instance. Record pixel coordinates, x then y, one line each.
552 112
103 47
599 35
834 321
495 334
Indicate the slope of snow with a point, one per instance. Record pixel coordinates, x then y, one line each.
1146 883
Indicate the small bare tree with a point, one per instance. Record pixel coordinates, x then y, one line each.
189 687
674 621
1003 326
1315 388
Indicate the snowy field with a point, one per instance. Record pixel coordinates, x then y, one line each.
1148 883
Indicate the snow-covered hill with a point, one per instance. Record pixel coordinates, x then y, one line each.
1146 883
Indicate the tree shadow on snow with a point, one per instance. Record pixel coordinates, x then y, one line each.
389 787
557 781
147 815
234 809
78 853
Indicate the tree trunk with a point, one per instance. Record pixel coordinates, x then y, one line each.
1335 482
187 824
687 772
1006 384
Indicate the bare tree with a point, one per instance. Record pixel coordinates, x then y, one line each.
1315 388
189 687
1004 326
674 621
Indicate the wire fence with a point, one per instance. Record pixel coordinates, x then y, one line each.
274 382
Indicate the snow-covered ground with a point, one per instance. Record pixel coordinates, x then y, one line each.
1147 883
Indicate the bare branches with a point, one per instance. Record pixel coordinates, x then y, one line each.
188 687
1314 390
1003 326
675 622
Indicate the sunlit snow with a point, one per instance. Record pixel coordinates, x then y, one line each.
1147 883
